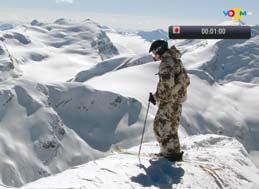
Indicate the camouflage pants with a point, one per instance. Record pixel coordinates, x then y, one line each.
166 125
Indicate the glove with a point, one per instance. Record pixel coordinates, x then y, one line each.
152 99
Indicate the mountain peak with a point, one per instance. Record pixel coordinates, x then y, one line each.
62 21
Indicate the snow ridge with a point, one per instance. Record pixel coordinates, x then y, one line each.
211 161
8 64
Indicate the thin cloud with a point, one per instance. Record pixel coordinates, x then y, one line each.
112 20
65 1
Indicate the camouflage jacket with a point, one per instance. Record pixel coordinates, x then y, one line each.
173 78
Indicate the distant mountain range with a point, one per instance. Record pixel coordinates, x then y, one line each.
4 26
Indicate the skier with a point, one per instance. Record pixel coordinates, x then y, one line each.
170 94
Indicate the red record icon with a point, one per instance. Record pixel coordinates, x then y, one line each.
176 30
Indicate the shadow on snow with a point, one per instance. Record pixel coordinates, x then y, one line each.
161 173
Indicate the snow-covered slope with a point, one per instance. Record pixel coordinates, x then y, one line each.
8 64
224 111
224 60
36 118
230 109
211 161
112 65
235 61
143 34
6 26
153 35
51 52
48 125
46 129
41 116
129 44
34 140
87 36
100 118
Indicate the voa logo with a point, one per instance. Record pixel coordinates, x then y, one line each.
236 13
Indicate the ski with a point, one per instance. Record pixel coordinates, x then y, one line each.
154 156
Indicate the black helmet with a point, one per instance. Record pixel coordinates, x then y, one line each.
159 46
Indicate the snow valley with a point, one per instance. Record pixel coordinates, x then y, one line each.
72 94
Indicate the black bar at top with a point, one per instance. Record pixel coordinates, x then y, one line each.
209 32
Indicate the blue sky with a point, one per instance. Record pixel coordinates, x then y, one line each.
129 13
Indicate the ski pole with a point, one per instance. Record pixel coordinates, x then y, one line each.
143 132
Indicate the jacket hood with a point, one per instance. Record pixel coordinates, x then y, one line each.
172 52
